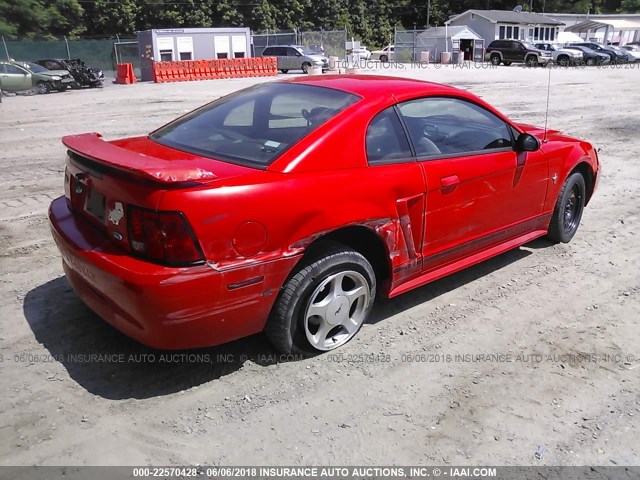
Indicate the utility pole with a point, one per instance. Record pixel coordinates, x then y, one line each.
428 12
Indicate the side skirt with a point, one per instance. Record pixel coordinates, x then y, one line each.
466 262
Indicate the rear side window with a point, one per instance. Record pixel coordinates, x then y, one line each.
386 140
255 126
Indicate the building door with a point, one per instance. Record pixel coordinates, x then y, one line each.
466 46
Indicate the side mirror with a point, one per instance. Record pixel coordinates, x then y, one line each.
527 143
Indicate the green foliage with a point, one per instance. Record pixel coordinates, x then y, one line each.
370 21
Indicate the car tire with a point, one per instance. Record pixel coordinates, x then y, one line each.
384 58
62 89
532 61
506 64
564 61
284 70
316 286
43 87
305 67
495 59
568 210
590 62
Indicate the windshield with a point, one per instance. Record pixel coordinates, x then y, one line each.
528 46
254 126
35 68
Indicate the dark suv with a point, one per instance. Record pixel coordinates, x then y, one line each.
516 51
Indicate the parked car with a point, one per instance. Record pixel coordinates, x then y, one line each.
83 75
561 56
633 51
515 51
66 80
288 207
591 57
363 53
296 57
615 55
384 55
16 78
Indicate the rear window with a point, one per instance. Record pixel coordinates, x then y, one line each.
255 126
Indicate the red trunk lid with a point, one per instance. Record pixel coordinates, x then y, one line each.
103 179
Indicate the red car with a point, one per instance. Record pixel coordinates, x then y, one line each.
288 206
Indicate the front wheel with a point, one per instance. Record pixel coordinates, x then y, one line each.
44 87
568 211
324 304
590 62
305 67
564 61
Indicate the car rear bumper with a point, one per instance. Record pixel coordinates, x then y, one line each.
164 307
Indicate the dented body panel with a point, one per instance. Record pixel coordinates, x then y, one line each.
253 225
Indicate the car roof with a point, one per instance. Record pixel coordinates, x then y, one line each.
370 86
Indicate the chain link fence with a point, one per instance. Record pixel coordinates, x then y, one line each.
333 41
409 45
97 53
263 40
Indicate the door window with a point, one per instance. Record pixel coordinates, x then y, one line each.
452 126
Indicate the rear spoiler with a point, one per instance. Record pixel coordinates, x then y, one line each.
93 147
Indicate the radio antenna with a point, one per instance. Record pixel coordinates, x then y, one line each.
546 114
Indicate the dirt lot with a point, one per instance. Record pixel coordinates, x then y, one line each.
562 320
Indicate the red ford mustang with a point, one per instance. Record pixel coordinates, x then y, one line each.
288 206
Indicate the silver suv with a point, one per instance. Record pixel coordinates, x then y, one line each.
296 57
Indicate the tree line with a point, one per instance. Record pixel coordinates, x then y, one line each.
371 21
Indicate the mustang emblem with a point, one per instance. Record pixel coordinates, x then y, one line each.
116 214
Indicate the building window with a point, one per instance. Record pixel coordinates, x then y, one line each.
553 34
516 32
185 48
501 36
509 32
530 34
166 55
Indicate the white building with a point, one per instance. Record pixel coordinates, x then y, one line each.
506 24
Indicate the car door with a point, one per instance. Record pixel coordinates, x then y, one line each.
294 59
479 190
14 78
519 51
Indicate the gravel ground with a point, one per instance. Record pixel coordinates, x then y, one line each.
557 324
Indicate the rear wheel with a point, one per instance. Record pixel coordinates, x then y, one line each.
495 59
568 211
284 70
324 304
384 58
532 61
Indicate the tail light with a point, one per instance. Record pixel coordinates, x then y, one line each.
163 237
